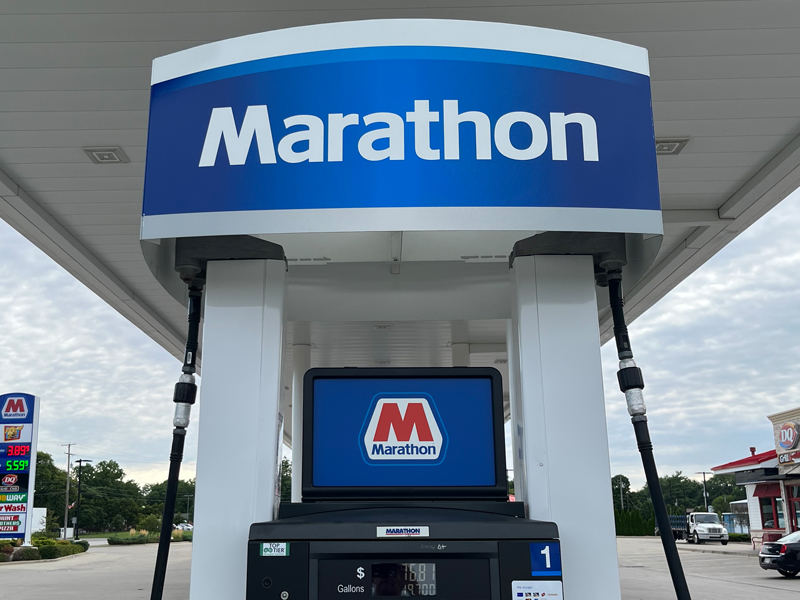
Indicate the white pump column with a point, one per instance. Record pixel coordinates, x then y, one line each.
558 417
238 426
301 362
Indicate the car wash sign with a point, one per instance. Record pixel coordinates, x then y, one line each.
19 425
406 125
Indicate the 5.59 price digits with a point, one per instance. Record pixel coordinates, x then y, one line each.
17 465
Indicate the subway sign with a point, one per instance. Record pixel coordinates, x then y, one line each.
412 125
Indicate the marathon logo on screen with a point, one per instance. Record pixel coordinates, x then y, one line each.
14 408
403 429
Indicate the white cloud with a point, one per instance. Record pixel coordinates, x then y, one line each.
104 384
719 353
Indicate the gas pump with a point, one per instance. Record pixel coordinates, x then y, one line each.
404 494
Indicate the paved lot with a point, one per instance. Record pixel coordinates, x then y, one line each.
125 573
102 573
644 574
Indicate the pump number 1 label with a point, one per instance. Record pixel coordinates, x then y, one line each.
545 559
274 549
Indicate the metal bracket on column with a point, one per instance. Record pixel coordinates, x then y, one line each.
606 249
192 254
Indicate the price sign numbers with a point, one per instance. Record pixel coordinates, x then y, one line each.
17 465
18 450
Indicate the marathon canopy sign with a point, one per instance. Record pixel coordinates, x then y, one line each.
413 125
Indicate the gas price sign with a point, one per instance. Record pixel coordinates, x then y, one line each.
19 425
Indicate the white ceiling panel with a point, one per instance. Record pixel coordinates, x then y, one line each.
75 73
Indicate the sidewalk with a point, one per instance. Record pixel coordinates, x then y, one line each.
733 548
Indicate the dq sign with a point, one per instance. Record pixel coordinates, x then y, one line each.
412 125
788 436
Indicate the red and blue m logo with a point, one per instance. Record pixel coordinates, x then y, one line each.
402 430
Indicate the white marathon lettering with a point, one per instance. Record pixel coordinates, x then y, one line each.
304 140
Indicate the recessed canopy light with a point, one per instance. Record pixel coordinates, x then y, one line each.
107 156
670 145
383 362
501 361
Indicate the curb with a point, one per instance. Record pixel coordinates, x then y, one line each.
42 560
747 554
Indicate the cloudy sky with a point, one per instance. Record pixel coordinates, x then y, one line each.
719 353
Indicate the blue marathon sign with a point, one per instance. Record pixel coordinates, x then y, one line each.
400 432
401 125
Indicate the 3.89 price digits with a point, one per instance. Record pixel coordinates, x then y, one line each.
16 465
18 450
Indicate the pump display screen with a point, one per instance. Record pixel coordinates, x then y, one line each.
404 432
403 579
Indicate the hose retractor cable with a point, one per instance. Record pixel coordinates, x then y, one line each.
631 383
191 260
609 252
184 397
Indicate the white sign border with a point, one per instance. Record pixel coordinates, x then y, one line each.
402 32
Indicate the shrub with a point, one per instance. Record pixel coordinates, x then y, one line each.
127 541
187 536
83 544
739 537
150 523
41 542
177 535
48 552
63 542
6 549
27 554
4 557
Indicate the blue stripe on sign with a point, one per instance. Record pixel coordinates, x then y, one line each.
553 63
546 573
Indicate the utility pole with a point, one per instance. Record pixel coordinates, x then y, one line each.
66 499
80 462
188 506
621 503
705 494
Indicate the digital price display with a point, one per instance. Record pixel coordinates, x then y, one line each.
17 465
403 579
18 450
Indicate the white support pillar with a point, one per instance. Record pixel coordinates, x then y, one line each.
301 362
460 354
557 351
239 399
515 400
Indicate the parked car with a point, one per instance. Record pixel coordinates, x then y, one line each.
184 526
783 555
698 527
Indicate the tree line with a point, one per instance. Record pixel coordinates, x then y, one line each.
680 494
109 501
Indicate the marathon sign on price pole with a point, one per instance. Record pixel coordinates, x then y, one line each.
19 427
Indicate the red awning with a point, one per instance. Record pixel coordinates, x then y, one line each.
768 490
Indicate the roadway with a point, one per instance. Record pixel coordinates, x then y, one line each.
125 573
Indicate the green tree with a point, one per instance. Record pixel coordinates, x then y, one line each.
106 495
725 485
620 482
155 494
721 504
51 483
286 480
